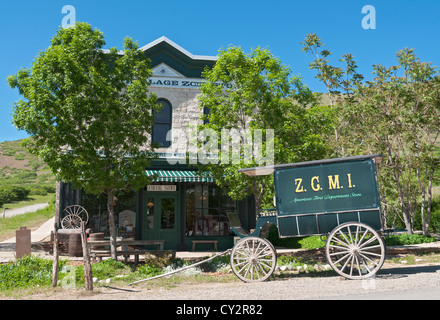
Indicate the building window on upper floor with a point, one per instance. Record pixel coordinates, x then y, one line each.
162 123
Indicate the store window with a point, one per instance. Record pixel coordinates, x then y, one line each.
162 124
206 208
124 206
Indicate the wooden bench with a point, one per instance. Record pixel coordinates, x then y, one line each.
214 242
125 252
98 254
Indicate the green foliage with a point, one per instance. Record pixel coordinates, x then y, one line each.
89 112
13 193
311 242
27 272
288 260
435 215
407 239
395 114
107 269
95 102
258 93
147 271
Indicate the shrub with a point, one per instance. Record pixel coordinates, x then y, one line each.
407 239
27 272
312 242
273 237
147 271
13 193
38 191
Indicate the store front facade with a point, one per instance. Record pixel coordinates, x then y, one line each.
180 205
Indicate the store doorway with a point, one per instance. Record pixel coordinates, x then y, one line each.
161 218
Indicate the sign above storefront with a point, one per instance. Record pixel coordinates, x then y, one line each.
162 187
179 82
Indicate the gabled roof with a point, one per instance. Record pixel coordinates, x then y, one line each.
165 51
164 40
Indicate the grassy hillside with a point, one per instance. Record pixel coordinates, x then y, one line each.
20 168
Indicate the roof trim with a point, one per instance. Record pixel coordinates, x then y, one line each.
174 45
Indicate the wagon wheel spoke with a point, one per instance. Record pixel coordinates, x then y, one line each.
71 221
253 259
78 211
355 250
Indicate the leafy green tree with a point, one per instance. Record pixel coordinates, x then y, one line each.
88 112
253 94
396 114
339 83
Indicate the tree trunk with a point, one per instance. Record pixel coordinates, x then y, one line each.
397 174
258 189
111 223
429 208
425 224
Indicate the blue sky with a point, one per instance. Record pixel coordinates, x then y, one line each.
203 27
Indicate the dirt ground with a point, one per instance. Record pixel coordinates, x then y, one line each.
399 271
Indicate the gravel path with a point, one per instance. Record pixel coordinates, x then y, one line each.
390 278
23 210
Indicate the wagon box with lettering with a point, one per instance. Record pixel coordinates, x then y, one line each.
313 198
334 197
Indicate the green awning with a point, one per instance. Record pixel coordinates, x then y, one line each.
179 176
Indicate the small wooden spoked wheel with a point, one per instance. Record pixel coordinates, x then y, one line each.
71 221
253 259
76 210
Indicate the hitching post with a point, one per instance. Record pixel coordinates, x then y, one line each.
22 242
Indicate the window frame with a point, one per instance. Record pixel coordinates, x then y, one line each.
165 143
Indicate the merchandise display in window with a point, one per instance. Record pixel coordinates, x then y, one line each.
206 209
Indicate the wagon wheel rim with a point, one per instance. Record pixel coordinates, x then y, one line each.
253 259
71 221
77 210
355 250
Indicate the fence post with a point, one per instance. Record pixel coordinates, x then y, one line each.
88 277
55 257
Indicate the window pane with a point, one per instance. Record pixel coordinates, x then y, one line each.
167 213
162 124
206 208
164 115
160 134
150 213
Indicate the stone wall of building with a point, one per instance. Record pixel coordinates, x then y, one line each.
185 113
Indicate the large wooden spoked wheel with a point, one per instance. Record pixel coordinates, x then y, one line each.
355 250
253 259
71 221
76 210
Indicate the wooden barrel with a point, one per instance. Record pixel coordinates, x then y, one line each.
63 243
98 236
75 245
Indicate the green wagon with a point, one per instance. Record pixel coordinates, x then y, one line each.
334 197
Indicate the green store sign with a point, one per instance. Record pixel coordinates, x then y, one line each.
326 188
